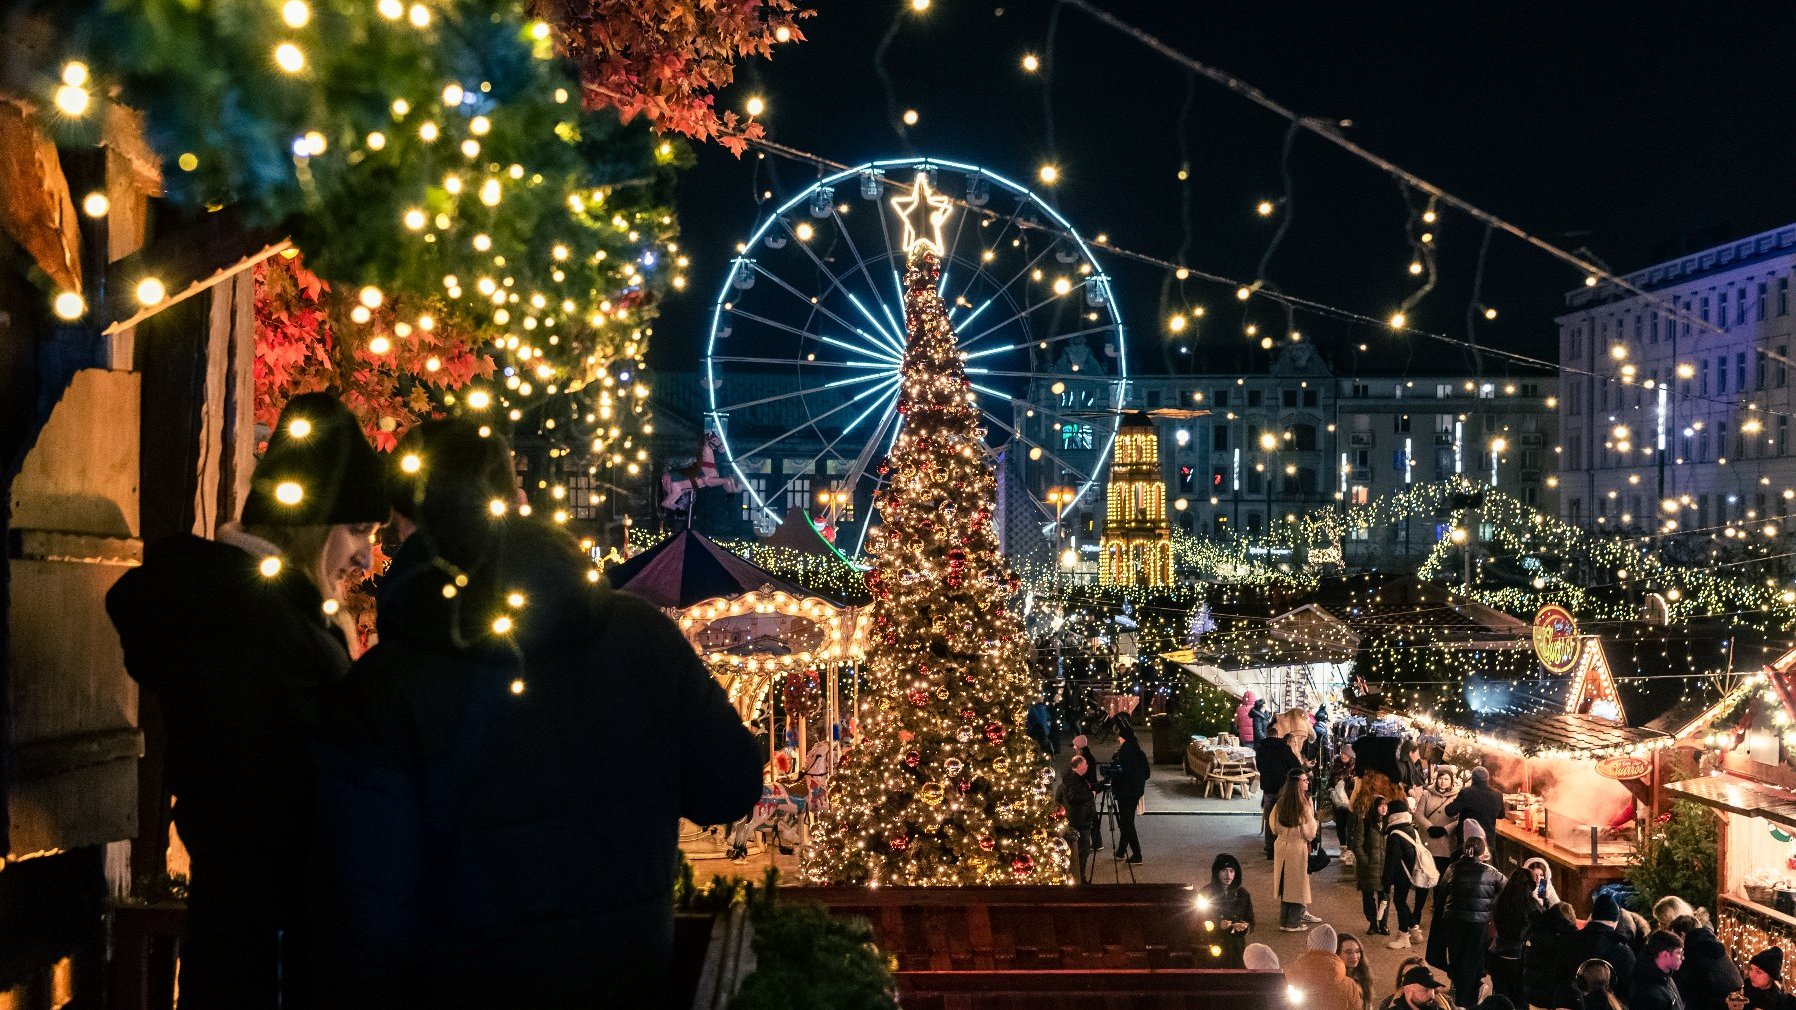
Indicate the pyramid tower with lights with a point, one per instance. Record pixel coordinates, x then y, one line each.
944 787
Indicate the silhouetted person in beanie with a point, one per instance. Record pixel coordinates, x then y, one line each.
480 847
236 638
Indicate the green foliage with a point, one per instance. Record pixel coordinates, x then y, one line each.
1680 857
807 958
1201 708
804 957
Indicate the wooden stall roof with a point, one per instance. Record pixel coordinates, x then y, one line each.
1739 795
1563 731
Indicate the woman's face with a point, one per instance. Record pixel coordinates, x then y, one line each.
1757 977
1539 872
1351 953
1443 781
349 548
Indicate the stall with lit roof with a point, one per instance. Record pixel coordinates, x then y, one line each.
1747 775
1581 743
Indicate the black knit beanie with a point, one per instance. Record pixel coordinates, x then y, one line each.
319 470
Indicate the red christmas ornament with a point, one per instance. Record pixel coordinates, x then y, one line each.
987 842
912 759
918 697
1023 863
964 785
994 732
899 842
968 713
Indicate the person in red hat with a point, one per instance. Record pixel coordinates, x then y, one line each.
235 639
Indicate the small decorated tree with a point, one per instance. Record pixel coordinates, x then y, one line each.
945 787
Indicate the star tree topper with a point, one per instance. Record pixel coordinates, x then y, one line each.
938 207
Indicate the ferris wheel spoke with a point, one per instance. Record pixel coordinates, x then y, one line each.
979 271
890 384
896 420
883 365
813 336
830 447
856 380
824 309
988 331
1049 340
1027 269
860 263
1068 467
891 341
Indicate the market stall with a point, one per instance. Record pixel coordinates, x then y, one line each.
1581 748
1748 775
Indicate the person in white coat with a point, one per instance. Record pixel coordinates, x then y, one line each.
1429 807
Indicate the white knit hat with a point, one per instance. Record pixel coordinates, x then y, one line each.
1259 957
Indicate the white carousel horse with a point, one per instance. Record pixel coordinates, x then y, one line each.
680 483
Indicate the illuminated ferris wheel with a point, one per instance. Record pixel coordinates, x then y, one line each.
807 334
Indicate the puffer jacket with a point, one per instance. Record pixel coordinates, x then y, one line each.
471 793
1471 887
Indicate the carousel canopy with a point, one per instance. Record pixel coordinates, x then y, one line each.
687 569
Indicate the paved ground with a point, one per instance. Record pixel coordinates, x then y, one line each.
1178 848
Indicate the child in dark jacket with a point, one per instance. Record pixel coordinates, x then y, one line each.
1230 907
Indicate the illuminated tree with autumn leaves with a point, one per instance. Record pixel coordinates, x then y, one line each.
944 787
297 351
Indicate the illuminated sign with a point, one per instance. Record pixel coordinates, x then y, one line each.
1556 639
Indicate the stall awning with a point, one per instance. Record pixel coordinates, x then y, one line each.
1551 734
1739 795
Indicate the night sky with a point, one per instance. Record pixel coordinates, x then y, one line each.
1634 131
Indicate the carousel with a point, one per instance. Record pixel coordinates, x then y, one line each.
786 656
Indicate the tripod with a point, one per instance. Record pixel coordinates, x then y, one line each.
1107 812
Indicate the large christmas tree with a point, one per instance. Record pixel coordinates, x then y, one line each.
944 787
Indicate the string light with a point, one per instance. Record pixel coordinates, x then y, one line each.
69 305
150 291
289 58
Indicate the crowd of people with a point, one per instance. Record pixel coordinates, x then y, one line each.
418 823
1417 833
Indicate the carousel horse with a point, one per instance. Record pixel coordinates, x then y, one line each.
680 484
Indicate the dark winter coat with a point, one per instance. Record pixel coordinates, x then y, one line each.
1549 962
1074 793
1479 803
1132 769
1400 850
1233 904
1471 887
1773 998
1652 989
1262 723
1368 855
490 841
1273 758
1708 974
236 661
1600 939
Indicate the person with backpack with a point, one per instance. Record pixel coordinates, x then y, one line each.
1409 873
